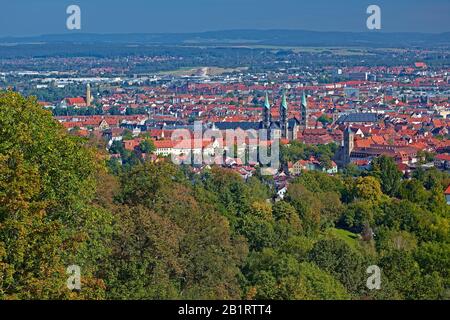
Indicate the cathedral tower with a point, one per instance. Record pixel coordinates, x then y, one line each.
266 113
284 117
88 95
304 112
349 142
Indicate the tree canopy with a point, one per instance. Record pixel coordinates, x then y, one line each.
153 230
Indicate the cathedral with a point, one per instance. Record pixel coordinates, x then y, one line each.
284 128
281 128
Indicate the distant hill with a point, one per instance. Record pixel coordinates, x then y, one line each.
250 38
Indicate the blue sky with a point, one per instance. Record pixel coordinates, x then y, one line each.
31 17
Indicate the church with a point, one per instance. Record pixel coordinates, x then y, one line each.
281 128
284 128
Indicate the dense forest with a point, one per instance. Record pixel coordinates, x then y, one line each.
158 231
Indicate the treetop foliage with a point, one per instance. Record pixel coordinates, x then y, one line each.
159 231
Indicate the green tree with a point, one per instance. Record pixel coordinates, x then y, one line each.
413 191
432 178
210 255
284 212
127 135
434 257
48 218
358 214
368 188
404 274
385 169
389 240
324 119
308 207
147 146
279 276
297 246
352 170
145 262
340 260
117 148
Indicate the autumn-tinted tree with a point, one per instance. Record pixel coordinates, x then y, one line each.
48 220
210 255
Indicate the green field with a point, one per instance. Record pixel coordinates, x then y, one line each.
350 238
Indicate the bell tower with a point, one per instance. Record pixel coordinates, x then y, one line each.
266 113
284 117
88 95
349 144
304 112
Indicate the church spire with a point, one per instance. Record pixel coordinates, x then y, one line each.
88 95
304 101
304 112
284 102
284 116
266 113
267 103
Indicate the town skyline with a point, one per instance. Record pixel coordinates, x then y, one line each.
242 165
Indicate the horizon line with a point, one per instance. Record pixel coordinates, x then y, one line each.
74 33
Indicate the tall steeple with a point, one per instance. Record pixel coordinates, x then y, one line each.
349 141
284 116
88 95
266 112
304 112
284 102
266 102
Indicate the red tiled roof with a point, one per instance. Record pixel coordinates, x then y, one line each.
447 191
443 157
74 101
132 144
159 144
